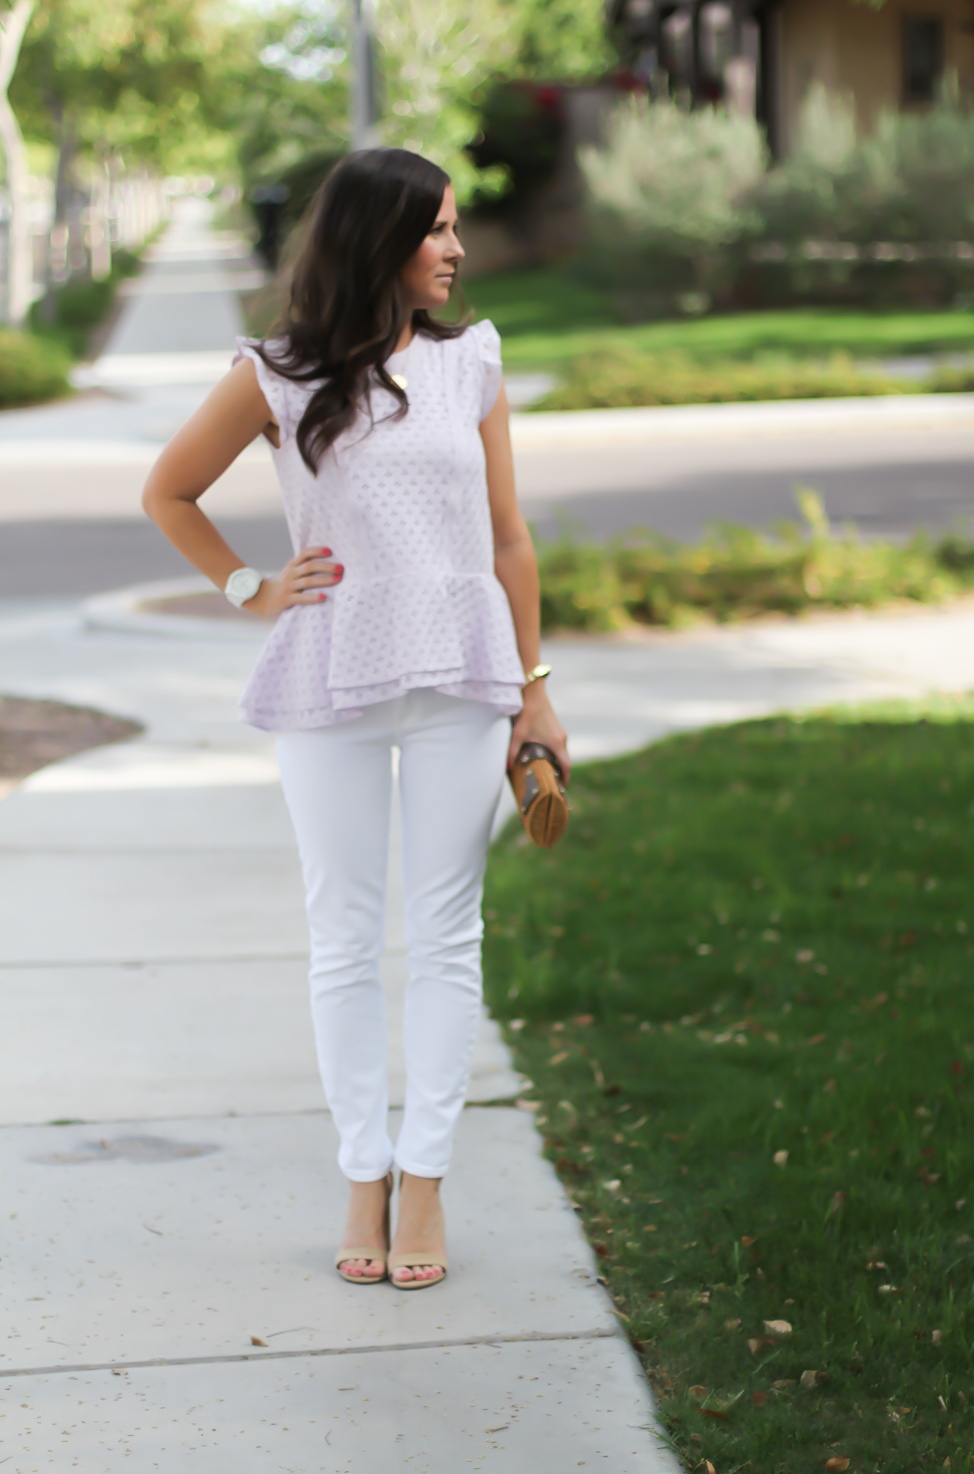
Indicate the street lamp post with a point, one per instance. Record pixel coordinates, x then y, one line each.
363 103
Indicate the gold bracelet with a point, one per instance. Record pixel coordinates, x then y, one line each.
538 674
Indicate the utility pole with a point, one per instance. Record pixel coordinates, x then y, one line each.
363 103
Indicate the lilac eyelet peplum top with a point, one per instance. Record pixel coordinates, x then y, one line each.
403 505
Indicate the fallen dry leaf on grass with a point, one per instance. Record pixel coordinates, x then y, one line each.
835 1466
256 1341
936 1337
778 1327
657 1295
713 1412
780 1158
732 1325
698 1392
709 1467
876 1264
758 1343
747 1241
809 1379
556 1059
759 1398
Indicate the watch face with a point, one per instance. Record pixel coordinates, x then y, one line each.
243 583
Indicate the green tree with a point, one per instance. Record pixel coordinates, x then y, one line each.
436 56
562 40
289 97
110 75
439 58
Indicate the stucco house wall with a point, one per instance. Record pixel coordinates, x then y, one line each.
855 49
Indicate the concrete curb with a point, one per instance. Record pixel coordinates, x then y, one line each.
120 612
782 417
566 428
71 452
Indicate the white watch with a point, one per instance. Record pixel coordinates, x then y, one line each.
242 585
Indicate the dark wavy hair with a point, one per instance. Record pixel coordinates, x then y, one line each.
346 308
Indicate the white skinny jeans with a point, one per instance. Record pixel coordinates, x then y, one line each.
337 782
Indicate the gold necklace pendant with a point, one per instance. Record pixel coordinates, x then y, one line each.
400 380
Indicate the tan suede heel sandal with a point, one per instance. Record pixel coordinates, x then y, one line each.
368 1252
411 1261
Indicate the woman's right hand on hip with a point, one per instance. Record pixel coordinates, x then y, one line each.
302 581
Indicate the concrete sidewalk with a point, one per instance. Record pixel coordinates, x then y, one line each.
152 986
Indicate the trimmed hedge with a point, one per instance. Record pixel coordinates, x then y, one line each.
31 370
737 573
619 378
80 304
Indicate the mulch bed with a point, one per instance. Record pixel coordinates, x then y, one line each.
35 733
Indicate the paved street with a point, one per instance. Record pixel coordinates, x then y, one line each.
890 482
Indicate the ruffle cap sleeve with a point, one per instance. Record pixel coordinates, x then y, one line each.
274 387
488 343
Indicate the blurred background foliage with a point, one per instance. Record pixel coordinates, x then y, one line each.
687 212
738 572
677 212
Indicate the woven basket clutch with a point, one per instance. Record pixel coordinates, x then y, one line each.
541 802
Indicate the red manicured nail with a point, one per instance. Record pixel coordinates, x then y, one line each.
339 567
326 552
321 597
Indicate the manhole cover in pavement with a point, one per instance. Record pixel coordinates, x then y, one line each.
129 1149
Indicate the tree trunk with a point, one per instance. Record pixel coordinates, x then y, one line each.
56 266
20 255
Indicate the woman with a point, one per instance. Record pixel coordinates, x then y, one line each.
419 631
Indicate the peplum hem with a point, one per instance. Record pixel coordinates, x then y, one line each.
451 632
507 700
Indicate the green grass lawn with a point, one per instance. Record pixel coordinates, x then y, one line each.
742 988
547 318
